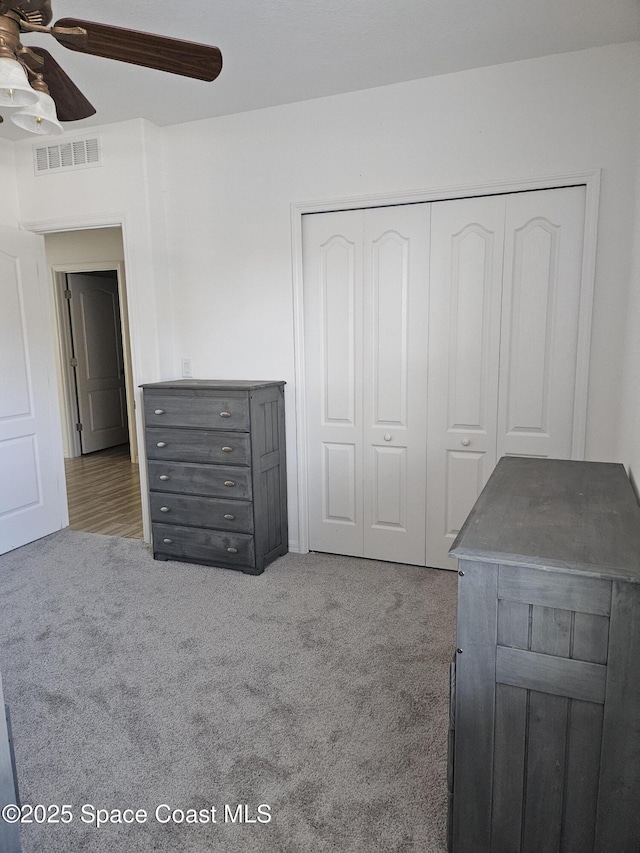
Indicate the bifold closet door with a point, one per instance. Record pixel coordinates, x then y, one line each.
366 300
504 312
540 322
467 241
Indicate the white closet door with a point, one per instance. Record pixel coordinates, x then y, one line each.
332 261
366 286
540 316
464 353
396 287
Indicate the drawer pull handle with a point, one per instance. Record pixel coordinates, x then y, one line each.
227 449
159 412
164 509
167 541
164 477
232 550
161 444
225 414
229 483
229 517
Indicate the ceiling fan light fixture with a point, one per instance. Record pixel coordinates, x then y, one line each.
39 118
15 90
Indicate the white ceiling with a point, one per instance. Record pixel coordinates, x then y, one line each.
282 51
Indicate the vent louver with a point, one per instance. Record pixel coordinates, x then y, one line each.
74 154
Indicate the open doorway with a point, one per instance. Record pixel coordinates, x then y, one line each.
95 381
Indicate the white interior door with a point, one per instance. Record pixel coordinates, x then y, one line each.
396 290
439 337
366 287
467 238
33 494
540 317
333 249
99 370
506 275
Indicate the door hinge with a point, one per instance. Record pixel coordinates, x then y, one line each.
74 362
79 427
67 294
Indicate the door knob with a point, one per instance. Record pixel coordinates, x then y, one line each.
388 437
466 442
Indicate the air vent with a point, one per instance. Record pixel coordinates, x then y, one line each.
74 154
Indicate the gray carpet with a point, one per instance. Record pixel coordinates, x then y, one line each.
318 689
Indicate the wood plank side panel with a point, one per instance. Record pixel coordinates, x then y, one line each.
581 780
513 624
475 706
267 418
590 638
509 768
548 674
553 589
545 773
551 631
618 817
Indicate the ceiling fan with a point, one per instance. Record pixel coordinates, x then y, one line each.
32 82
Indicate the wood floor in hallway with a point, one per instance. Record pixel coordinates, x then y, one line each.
103 492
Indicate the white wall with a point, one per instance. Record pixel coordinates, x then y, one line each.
122 191
9 203
117 193
98 245
219 287
229 202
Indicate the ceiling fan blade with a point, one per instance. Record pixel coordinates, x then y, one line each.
200 61
71 104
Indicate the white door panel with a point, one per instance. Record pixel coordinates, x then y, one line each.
97 343
540 314
396 287
333 324
439 337
33 493
366 284
464 351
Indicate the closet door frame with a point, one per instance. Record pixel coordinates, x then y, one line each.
591 182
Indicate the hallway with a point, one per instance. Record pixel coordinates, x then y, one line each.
103 491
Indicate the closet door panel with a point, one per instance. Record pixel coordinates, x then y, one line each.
464 335
396 286
332 260
544 235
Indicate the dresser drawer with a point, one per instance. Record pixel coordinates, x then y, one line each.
199 445
195 409
202 512
210 546
210 480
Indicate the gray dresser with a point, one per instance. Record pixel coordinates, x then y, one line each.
546 703
217 475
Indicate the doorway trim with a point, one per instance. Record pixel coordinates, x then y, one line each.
64 341
591 182
122 221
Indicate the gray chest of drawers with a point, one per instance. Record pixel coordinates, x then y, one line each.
217 476
547 688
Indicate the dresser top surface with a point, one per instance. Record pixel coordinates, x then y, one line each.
214 384
579 517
